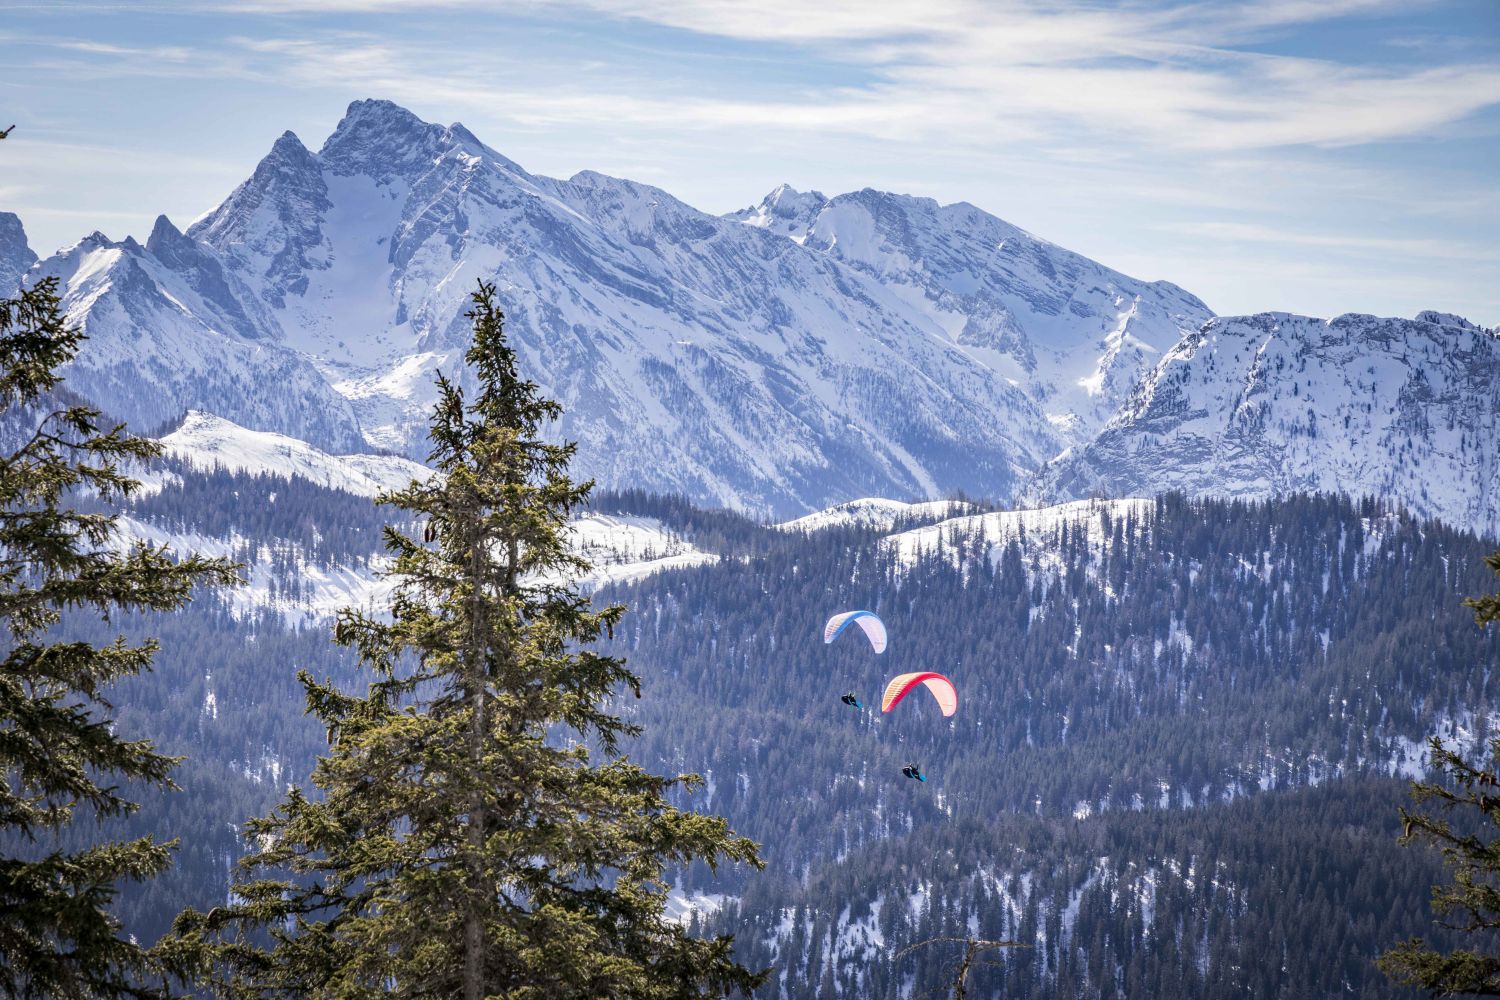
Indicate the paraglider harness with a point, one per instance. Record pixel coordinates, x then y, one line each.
913 771
850 700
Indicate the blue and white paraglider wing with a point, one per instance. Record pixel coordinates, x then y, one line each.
868 621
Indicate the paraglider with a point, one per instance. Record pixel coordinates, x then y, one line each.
868 621
941 687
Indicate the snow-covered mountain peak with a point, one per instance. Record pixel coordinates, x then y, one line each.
163 234
287 159
785 211
16 255
1447 319
382 140
231 306
270 229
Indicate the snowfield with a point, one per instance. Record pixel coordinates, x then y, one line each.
1037 530
207 442
622 549
875 513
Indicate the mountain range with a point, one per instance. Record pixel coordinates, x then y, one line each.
801 352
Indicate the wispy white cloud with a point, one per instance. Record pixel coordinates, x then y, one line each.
1114 126
1378 246
1175 75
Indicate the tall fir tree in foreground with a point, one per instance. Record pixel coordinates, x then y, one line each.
1471 902
63 762
464 840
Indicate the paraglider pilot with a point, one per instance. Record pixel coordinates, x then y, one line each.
913 771
850 700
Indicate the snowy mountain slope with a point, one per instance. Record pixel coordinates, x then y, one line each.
876 513
205 441
1073 333
1037 530
167 333
625 548
304 590
1269 404
683 345
16 255
286 578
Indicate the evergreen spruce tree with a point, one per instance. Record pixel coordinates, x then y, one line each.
463 840
1472 851
59 751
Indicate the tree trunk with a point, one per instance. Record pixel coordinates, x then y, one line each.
478 688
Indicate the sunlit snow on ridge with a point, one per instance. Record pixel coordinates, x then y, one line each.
876 513
206 441
994 530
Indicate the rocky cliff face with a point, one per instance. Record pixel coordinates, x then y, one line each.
1262 405
16 256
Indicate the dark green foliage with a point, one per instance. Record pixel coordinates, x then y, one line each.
1226 648
462 840
1470 903
61 752
1316 640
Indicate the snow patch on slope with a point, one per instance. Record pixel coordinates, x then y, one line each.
316 592
987 535
625 548
205 441
622 549
876 513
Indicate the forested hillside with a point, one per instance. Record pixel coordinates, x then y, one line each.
1170 770
1174 769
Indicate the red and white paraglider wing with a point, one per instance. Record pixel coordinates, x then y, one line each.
941 687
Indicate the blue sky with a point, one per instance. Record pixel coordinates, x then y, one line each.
1315 156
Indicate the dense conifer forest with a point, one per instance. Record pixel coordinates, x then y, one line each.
1174 771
